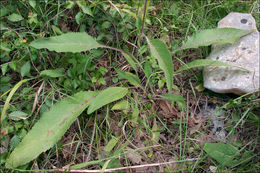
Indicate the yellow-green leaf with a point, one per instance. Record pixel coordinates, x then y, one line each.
160 51
214 36
133 79
107 96
49 129
69 42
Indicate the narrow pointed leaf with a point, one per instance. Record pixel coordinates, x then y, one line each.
69 42
203 63
107 96
8 99
52 73
173 97
49 129
160 51
214 36
130 61
133 79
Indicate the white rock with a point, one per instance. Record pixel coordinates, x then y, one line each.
244 53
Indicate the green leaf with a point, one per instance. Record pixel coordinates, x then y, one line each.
160 51
56 29
79 17
147 69
15 17
122 105
6 105
3 156
110 145
130 61
14 142
173 97
203 63
133 79
214 36
4 68
17 115
3 26
25 69
84 8
105 166
69 42
32 3
52 73
5 46
155 132
49 129
4 11
69 4
107 96
223 153
106 25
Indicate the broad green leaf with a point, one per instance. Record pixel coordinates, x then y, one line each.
133 79
25 69
107 96
52 73
17 115
69 42
110 145
173 97
223 153
15 17
160 51
49 129
6 105
203 63
214 36
130 61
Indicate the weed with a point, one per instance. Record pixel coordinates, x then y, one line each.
125 58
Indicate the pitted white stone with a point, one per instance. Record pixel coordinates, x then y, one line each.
244 53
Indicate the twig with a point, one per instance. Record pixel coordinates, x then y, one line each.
129 167
92 139
36 98
32 61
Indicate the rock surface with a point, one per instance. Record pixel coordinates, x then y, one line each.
244 53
